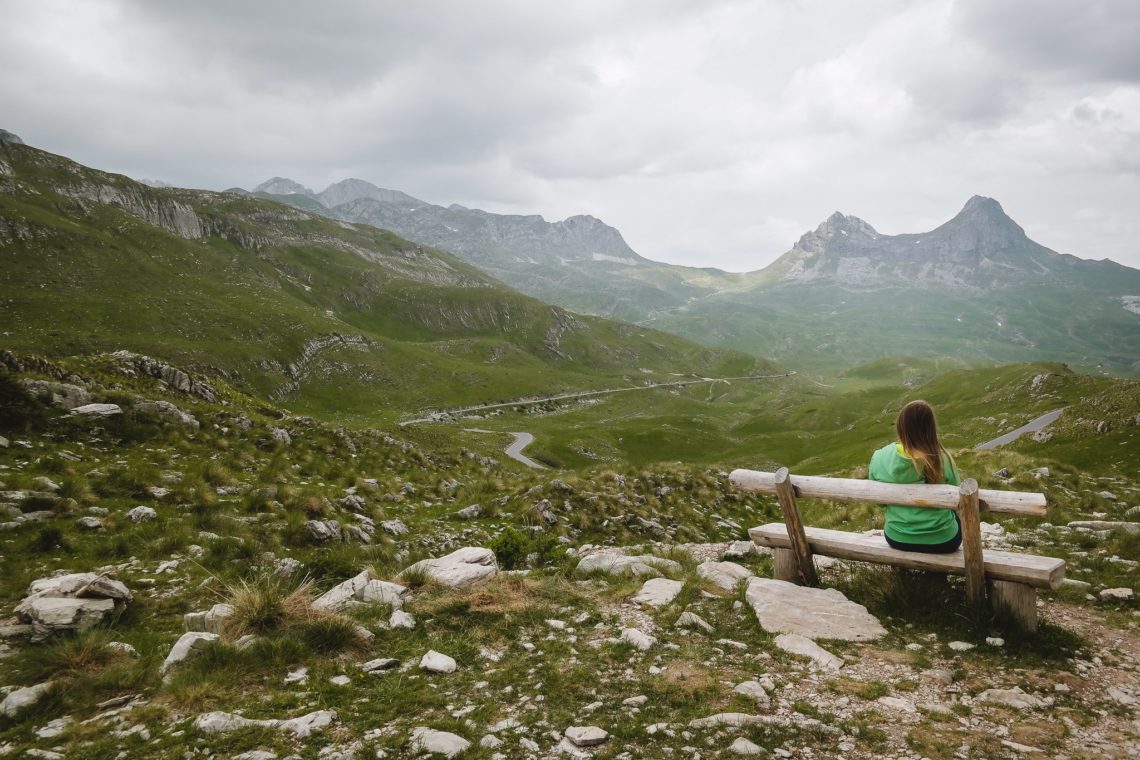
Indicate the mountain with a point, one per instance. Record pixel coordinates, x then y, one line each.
282 186
321 314
10 137
975 288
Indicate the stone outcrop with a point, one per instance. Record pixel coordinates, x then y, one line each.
724 575
437 742
613 563
302 727
460 568
657 592
815 613
361 589
70 602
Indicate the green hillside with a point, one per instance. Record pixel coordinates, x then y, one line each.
325 316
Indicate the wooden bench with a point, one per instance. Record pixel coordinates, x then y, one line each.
1011 579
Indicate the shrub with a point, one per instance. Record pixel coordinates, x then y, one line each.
19 410
510 548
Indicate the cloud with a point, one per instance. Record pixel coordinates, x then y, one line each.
708 133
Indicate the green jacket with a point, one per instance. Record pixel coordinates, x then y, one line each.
912 525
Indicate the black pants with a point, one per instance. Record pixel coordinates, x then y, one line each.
946 547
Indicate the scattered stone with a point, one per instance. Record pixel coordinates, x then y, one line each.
739 550
462 567
76 601
302 727
124 647
1115 594
1015 698
469 513
743 746
286 567
435 662
54 728
613 563
960 646
638 638
188 645
783 607
658 592
724 575
21 699
693 620
340 680
300 675
754 691
1109 495
490 741
1003 473
1122 697
995 641
897 703
438 742
141 514
727 720
379 665
280 435
1076 585
1127 527
394 527
361 588
638 701
97 410
1040 472
801 645
401 619
211 621
89 523
1022 748
586 736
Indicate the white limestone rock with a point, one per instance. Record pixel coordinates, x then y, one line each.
739 550
462 567
754 691
21 699
1015 698
188 645
638 638
693 620
302 727
51 613
743 746
658 592
801 645
1115 594
97 410
586 736
724 575
361 588
401 619
434 742
141 514
437 662
212 620
814 613
379 665
613 563
727 720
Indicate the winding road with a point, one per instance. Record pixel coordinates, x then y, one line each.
1030 427
514 451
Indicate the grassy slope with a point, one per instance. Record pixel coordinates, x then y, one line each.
84 276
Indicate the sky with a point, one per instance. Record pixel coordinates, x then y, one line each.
710 132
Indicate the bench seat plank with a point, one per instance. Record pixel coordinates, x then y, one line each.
1030 569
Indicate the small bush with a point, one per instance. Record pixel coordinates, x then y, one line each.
48 539
510 548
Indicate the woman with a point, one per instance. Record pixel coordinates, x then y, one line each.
918 457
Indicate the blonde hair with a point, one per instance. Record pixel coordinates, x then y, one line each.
918 433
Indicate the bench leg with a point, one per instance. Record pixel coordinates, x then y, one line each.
784 566
1018 600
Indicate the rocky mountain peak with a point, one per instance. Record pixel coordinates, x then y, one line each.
348 190
282 186
839 233
6 136
982 225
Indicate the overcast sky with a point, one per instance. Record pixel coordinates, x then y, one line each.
710 133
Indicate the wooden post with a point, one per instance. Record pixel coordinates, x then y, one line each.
787 497
784 566
972 541
1018 600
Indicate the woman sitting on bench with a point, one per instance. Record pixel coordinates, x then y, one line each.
918 457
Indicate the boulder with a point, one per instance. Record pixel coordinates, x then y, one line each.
89 523
168 410
21 699
743 746
401 619
434 742
724 575
302 727
188 645
586 736
470 512
361 588
1115 594
141 514
211 621
620 564
437 662
97 410
62 395
815 613
462 567
693 620
753 690
76 601
394 527
379 665
638 638
658 592
801 645
739 550
1015 698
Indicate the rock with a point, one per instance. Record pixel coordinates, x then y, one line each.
1127 527
727 720
739 550
658 592
783 607
97 410
141 514
1015 698
61 395
1040 472
638 701
639 639
124 647
462 567
4 442
76 601
394 527
469 513
960 646
1115 594
300 675
744 747
995 641
323 531
280 435
169 410
490 741
211 621
401 619
753 690
436 662
1003 473
379 665
89 523
302 727
21 699
354 503
1122 697
45 483
612 563
286 567
586 736
724 575
188 645
801 645
898 704
54 728
693 620
361 588
437 742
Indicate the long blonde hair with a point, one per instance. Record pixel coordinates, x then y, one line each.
918 433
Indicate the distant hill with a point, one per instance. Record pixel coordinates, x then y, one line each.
319 313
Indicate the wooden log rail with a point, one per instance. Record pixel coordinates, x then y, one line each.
1025 504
